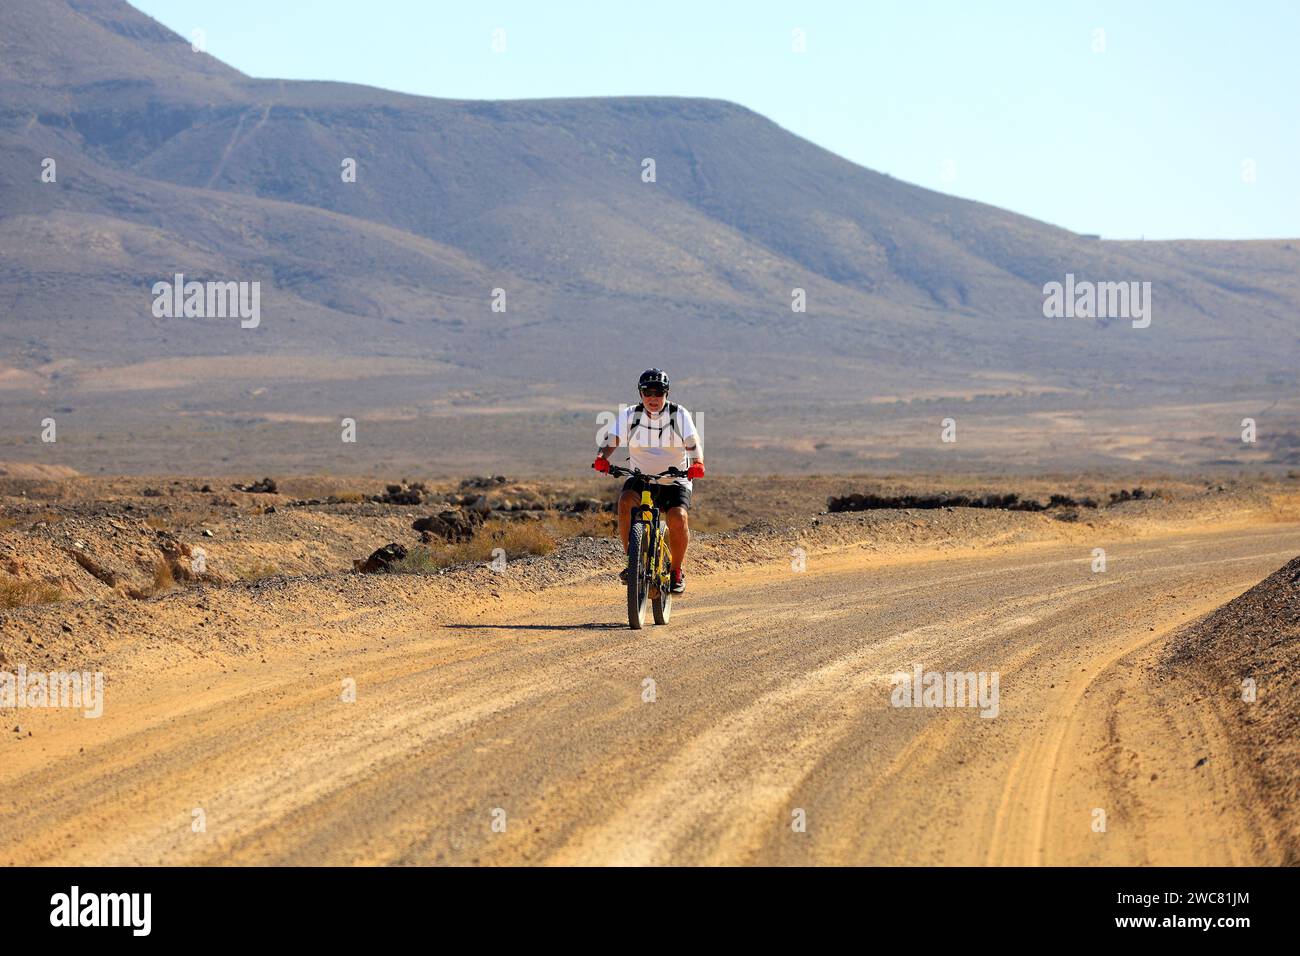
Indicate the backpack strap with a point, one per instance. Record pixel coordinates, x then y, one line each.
639 409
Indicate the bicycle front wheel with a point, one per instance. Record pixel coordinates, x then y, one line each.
636 590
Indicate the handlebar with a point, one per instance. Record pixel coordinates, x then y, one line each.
618 471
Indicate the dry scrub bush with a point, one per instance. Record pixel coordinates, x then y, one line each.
163 579
15 593
257 571
515 539
597 524
712 521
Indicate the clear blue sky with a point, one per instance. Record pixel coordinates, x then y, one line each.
1004 102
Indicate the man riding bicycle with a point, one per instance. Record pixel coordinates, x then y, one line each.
659 435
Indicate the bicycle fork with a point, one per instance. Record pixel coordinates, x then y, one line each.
647 518
656 559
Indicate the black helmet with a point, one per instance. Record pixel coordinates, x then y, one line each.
653 376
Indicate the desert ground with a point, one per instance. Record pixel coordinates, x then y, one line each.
266 702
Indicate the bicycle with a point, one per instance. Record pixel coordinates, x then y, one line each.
649 564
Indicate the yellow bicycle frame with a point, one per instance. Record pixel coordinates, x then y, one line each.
665 559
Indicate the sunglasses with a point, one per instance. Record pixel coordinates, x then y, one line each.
654 391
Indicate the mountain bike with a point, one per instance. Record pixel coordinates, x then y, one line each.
649 563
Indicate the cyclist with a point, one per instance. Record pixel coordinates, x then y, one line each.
659 435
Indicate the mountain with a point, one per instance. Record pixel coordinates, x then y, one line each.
376 296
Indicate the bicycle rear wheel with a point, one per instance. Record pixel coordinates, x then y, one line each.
636 590
662 602
662 606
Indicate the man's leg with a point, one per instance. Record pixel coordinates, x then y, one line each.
626 501
679 535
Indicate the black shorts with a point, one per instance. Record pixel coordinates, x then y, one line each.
664 496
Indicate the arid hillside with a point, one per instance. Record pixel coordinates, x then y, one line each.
377 291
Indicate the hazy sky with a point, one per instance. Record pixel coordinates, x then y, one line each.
1155 134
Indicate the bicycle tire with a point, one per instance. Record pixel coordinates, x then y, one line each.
636 591
662 602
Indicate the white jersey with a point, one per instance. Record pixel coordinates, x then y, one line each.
656 444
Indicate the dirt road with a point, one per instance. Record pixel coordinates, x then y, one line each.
547 732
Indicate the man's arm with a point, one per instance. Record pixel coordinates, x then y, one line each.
694 451
607 449
693 448
691 440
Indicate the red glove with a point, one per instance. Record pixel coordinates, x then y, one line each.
601 463
696 470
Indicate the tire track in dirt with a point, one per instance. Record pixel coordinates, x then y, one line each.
773 693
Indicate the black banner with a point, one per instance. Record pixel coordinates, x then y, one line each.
337 905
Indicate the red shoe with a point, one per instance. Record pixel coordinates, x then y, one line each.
679 582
